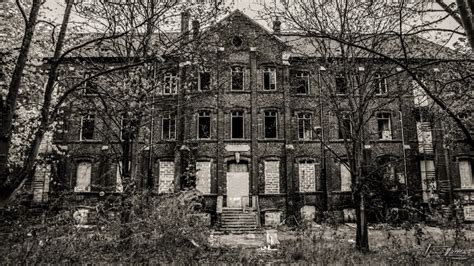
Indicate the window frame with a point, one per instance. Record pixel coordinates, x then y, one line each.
89 177
380 84
346 117
272 114
232 72
87 84
200 80
272 72
171 83
302 75
301 118
203 114
381 117
344 78
235 114
470 174
169 117
81 130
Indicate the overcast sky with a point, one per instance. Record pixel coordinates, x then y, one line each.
249 7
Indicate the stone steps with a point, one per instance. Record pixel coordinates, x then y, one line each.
237 221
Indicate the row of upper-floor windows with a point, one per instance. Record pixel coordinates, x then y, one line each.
299 80
306 128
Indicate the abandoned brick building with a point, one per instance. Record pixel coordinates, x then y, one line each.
261 132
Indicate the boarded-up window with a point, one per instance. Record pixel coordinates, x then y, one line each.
83 177
346 177
428 179
272 177
166 177
307 176
203 177
465 173
425 137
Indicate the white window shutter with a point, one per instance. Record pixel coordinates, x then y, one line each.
465 172
83 178
346 178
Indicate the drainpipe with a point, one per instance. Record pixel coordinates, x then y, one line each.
404 153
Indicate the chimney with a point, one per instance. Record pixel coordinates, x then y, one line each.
277 26
185 25
196 29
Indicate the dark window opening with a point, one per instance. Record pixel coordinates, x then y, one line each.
341 84
128 128
204 125
345 127
269 78
169 127
304 126
380 83
301 82
270 124
237 79
87 127
237 41
237 125
90 88
384 126
204 81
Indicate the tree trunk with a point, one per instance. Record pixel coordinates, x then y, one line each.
33 150
362 236
8 109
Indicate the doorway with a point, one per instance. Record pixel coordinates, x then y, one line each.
237 183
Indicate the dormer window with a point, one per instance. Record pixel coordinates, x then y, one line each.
237 41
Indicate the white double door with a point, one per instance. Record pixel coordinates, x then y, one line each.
237 185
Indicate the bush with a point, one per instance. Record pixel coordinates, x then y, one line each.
160 229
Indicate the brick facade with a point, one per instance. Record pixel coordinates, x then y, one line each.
289 174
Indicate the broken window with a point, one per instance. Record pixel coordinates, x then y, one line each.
237 79
269 78
425 137
169 127
304 126
90 88
204 81
384 126
237 125
87 127
270 124
170 83
204 125
301 82
420 97
83 177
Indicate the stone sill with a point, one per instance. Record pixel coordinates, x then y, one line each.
270 140
272 195
341 192
310 193
305 141
270 91
236 140
465 189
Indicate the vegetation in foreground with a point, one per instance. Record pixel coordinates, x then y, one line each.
161 229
